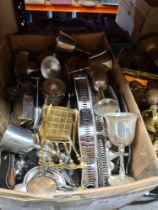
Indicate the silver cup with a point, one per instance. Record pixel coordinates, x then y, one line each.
121 130
18 140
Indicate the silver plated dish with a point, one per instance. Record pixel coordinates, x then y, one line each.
105 105
41 171
88 3
50 67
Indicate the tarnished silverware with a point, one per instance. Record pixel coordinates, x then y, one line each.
86 131
104 106
98 74
37 108
24 67
104 58
50 67
66 44
43 180
54 91
20 64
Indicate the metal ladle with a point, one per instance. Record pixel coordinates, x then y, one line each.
66 44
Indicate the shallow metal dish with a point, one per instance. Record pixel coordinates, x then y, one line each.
88 3
104 106
47 172
50 67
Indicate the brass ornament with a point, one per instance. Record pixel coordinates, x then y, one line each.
58 129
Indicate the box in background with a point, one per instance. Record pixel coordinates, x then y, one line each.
138 17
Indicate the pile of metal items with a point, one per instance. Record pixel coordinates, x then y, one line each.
69 127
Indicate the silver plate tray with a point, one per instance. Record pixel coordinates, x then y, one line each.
88 3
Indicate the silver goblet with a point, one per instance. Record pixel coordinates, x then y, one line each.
121 130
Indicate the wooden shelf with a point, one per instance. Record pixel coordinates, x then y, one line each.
72 8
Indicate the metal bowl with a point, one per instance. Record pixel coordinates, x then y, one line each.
104 106
52 177
54 91
50 67
54 87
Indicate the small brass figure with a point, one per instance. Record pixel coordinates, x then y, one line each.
150 116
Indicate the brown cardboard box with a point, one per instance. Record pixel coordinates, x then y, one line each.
144 162
8 22
138 17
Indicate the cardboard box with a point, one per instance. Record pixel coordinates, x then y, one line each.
138 17
8 23
144 165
